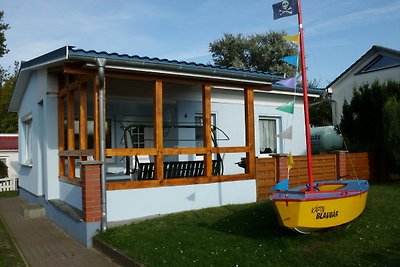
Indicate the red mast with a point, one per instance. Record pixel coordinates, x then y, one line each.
305 96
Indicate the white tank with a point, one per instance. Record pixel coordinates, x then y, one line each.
324 139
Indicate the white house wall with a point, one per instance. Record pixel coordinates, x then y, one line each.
28 175
343 89
138 203
265 105
40 102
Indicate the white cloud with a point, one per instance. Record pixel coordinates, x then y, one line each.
358 18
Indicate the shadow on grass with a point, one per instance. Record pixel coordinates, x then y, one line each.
256 221
385 256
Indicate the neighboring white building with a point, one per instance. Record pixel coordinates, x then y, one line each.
377 64
9 153
166 110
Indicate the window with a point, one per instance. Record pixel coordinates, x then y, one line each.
136 134
26 146
268 129
198 118
381 62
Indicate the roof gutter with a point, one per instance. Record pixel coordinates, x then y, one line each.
146 66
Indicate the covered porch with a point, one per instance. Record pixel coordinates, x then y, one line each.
170 130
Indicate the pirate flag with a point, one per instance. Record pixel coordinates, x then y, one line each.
285 8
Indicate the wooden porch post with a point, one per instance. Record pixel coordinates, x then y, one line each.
70 131
249 126
61 136
158 129
207 129
83 117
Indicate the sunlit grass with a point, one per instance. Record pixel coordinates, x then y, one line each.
249 235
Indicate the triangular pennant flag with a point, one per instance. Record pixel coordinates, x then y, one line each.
288 107
291 82
290 161
292 38
292 60
282 185
286 134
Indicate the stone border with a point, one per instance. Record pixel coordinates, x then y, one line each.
116 255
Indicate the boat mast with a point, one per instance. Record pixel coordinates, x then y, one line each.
305 97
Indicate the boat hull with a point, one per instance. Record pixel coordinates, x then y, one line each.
336 203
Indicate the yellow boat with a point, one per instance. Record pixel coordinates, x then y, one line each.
316 205
332 203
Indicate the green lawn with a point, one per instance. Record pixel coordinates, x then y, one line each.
249 235
9 255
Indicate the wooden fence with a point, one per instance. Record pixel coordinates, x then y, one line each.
8 184
342 165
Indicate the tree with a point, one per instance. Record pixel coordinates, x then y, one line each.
3 28
261 52
370 122
3 169
391 124
320 111
8 121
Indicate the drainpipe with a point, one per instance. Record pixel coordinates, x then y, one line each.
101 63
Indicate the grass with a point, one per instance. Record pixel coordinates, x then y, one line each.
249 235
9 255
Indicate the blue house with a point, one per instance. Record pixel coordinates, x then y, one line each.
106 138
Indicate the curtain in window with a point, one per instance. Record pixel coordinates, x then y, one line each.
268 141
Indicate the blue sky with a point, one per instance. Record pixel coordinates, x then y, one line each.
337 33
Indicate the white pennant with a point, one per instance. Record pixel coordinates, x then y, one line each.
286 134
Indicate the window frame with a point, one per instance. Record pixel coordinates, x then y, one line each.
278 128
27 140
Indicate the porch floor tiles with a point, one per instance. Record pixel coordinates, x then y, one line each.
44 244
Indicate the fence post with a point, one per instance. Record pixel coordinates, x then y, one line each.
341 164
281 167
91 191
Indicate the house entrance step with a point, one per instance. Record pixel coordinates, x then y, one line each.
29 211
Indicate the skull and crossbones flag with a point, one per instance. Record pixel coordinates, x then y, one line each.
285 8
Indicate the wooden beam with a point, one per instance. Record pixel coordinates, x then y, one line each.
96 130
113 152
70 132
83 133
249 130
61 128
207 142
158 129
117 185
77 70
76 153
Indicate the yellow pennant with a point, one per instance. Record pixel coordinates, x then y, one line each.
292 38
290 162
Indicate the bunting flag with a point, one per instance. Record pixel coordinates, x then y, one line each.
292 60
291 82
288 107
282 185
292 38
286 134
285 8
290 161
